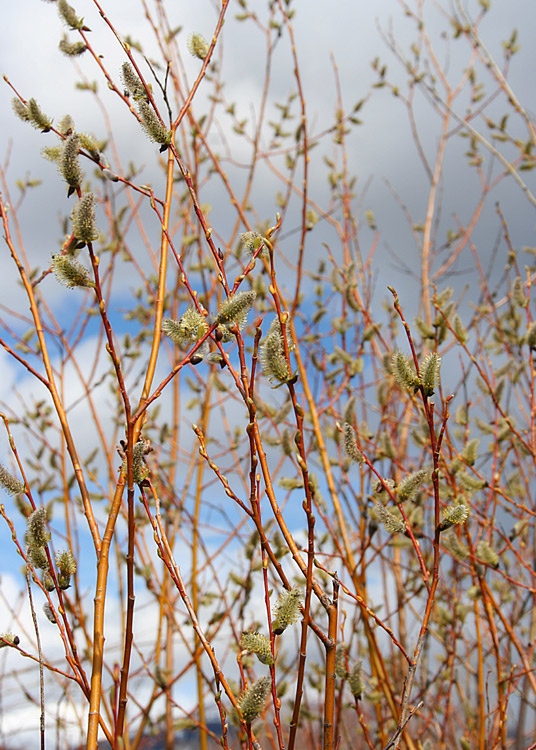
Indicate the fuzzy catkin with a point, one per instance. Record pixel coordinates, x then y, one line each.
68 163
11 485
235 309
286 610
253 700
350 444
272 354
259 645
197 46
83 218
152 125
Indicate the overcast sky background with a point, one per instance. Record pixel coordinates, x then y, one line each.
379 150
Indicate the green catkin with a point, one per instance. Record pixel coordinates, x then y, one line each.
31 112
20 109
429 373
404 371
152 125
83 218
71 49
287 443
290 483
459 329
235 309
349 410
350 444
66 125
52 153
355 679
253 699
453 545
393 524
91 145
38 534
425 331
251 242
259 645
191 327
68 15
37 555
11 485
140 470
410 484
340 661
68 163
462 415
161 677
286 610
272 354
487 554
70 272
531 336
454 515
66 567
23 505
470 482
132 82
470 451
518 295
197 46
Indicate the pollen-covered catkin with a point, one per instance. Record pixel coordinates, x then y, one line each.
253 699
286 610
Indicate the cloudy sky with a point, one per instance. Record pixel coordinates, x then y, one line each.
381 151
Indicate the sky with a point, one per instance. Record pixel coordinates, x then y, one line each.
350 35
